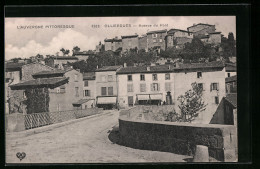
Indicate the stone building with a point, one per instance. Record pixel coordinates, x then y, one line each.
213 38
156 40
84 55
177 38
231 84
59 61
63 97
89 90
106 87
201 29
113 44
164 83
17 73
143 43
130 42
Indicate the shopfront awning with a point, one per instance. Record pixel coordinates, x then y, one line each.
106 100
143 97
156 96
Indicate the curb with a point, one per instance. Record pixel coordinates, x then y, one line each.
49 127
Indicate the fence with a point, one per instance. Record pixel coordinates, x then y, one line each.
42 119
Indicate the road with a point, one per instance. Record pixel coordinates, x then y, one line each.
85 141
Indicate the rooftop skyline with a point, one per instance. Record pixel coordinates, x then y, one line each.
24 43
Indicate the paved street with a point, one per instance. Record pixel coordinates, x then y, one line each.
85 141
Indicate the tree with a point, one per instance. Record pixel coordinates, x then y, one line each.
75 49
65 52
191 103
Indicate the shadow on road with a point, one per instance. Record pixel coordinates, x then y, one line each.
114 135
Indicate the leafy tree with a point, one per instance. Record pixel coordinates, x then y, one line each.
191 103
65 52
75 49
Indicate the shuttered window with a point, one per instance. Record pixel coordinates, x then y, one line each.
103 91
214 86
129 87
110 91
142 87
155 87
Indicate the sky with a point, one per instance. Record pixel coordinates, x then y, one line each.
21 41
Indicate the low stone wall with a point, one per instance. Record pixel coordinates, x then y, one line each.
179 138
19 122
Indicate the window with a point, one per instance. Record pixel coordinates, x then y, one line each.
155 77
129 87
129 78
110 91
199 74
62 89
214 86
200 85
85 83
167 76
155 87
142 77
167 86
110 78
142 87
103 91
58 90
154 35
228 74
75 77
87 92
77 91
160 40
216 99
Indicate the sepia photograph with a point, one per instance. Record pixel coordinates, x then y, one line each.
132 89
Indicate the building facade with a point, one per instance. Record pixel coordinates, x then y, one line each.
201 29
156 39
143 43
113 44
17 73
106 87
63 97
165 83
130 42
89 89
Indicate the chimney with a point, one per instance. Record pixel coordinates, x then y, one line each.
125 65
148 68
97 66
194 24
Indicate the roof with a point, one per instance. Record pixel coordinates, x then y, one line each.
83 53
143 69
108 68
215 64
89 76
215 33
232 99
230 67
52 72
231 79
176 30
40 82
158 31
81 101
65 57
12 65
170 67
200 24
129 36
113 40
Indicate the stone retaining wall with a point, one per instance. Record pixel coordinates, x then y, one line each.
179 138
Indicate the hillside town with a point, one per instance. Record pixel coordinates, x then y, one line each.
127 71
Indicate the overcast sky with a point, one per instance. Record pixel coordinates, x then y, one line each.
29 42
